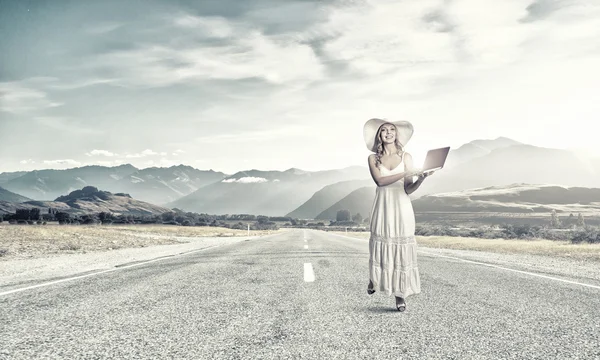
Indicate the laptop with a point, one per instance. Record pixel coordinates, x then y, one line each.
435 160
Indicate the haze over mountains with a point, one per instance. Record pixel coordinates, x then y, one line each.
330 194
271 193
6 195
303 194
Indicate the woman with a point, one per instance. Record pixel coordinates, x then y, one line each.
392 245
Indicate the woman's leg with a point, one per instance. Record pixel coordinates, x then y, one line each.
370 287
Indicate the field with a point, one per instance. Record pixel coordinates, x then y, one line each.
494 218
512 246
27 241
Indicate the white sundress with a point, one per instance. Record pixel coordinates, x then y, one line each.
392 245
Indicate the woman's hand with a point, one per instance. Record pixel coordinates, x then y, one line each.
411 173
422 176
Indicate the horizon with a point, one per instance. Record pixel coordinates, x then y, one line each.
419 159
269 85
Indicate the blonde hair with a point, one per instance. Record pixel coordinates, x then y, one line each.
379 145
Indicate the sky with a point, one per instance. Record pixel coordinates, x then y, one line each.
235 85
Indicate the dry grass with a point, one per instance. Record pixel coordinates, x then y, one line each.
35 240
504 246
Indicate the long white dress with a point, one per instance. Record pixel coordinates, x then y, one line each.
392 245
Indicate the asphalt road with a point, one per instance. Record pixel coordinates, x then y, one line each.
251 300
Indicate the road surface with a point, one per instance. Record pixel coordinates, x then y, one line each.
300 295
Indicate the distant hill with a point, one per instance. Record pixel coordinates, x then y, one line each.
89 200
477 148
328 195
514 198
516 164
272 193
6 176
359 201
164 185
6 195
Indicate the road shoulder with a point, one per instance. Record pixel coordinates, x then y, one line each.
23 272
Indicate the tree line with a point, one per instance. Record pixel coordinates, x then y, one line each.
569 222
572 228
175 217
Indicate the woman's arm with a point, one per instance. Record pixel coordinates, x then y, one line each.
411 186
386 180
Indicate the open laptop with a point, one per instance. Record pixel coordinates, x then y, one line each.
435 160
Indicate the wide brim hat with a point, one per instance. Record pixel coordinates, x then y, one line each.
404 131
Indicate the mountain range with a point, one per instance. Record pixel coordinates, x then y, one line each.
155 185
311 194
271 193
478 164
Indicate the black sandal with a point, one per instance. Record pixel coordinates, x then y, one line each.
370 291
401 306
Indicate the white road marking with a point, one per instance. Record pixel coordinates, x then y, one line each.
309 275
99 272
306 246
509 269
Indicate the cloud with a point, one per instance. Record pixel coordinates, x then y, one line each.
107 163
541 9
28 161
124 158
100 152
242 52
439 21
17 98
246 180
79 84
209 26
144 153
402 37
163 162
62 162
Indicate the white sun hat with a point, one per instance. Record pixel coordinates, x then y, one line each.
404 131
